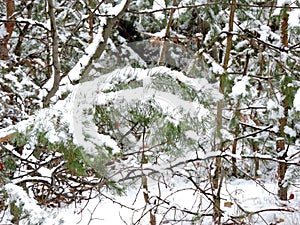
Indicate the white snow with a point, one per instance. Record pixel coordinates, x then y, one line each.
45 122
35 214
159 4
20 127
276 111
291 132
85 131
215 67
297 100
243 194
239 88
192 135
171 193
90 93
179 12
271 104
160 34
75 73
117 8
264 32
83 62
294 17
3 32
294 14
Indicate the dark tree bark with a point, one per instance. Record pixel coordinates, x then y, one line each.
282 167
9 26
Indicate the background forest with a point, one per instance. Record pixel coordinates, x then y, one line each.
149 112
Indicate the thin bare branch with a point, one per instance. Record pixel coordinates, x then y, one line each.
239 5
254 133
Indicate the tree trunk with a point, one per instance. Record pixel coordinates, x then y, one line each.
55 55
91 21
281 153
217 183
9 26
234 167
107 28
282 167
152 219
256 160
163 49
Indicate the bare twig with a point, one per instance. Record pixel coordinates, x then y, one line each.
93 212
254 133
25 21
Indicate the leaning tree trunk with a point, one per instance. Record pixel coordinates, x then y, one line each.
55 54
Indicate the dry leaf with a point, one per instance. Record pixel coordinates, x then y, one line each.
6 138
228 204
280 220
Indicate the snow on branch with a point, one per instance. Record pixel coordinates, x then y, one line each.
95 49
7 133
103 90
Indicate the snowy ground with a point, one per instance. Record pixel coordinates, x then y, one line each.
130 208
247 194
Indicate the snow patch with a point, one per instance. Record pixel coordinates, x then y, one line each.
3 32
30 205
289 131
239 89
297 100
294 14
159 4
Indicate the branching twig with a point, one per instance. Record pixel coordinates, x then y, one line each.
93 211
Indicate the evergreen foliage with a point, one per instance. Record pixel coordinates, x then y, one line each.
147 93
